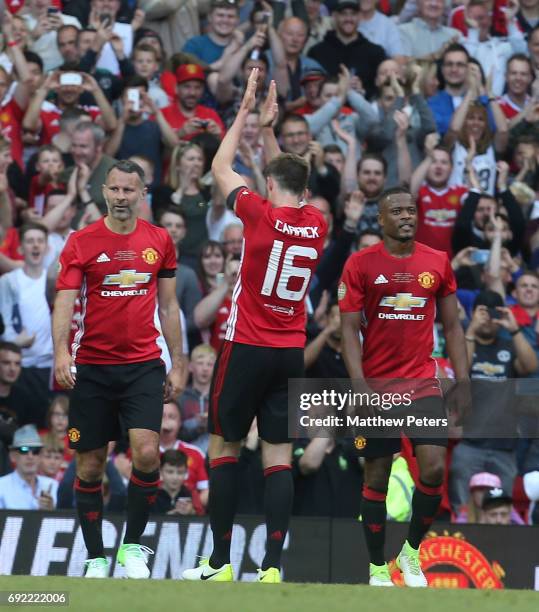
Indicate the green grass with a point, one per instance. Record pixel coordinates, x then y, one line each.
170 596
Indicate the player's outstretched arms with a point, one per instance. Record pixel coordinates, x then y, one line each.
228 180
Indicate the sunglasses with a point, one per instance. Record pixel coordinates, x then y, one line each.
24 450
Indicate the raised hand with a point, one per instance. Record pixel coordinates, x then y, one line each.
269 110
249 97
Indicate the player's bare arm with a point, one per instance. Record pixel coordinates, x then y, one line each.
351 344
228 180
459 397
269 113
169 316
61 329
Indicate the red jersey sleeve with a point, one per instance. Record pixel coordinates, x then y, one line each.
169 259
351 292
448 284
71 272
249 206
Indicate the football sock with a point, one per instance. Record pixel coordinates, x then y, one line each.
425 504
222 504
278 498
373 516
89 499
141 495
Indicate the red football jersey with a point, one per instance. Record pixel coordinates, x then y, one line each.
509 108
11 116
218 329
437 213
50 119
176 118
197 475
117 277
398 299
281 249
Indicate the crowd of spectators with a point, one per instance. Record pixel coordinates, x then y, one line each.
437 95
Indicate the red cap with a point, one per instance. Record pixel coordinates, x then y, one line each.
189 72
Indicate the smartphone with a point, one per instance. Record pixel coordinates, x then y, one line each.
52 10
494 314
219 278
265 18
104 18
70 78
480 256
203 123
133 96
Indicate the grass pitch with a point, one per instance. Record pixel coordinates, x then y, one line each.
171 595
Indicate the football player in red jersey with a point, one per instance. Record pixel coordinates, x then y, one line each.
265 337
120 265
398 285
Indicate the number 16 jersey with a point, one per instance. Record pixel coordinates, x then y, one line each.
281 249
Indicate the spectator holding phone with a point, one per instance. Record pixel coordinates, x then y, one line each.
24 488
494 357
43 20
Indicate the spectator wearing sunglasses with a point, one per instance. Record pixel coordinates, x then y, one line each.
24 489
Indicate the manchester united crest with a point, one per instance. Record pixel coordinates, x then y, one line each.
426 280
73 434
360 442
150 256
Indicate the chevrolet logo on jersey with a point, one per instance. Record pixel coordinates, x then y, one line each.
127 281
403 303
487 369
127 278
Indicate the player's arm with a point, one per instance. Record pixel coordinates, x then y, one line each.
454 335
61 329
269 112
169 317
351 344
458 399
228 180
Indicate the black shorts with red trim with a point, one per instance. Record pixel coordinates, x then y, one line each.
252 381
110 399
372 447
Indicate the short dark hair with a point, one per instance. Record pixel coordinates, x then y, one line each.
290 171
393 191
520 57
129 167
68 26
333 148
373 156
295 119
441 147
10 346
261 58
454 47
32 225
488 298
174 457
173 210
33 58
135 81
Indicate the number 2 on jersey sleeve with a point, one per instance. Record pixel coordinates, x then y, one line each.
288 271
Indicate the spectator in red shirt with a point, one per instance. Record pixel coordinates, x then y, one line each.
49 165
187 115
197 477
211 313
13 103
68 84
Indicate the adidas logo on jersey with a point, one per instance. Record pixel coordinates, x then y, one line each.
381 280
102 258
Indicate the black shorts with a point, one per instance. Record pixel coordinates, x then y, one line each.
252 381
109 399
372 447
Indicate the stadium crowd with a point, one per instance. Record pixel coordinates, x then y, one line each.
442 97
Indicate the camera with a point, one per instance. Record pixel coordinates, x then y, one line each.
70 78
133 96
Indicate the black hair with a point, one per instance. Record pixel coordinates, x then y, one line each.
129 167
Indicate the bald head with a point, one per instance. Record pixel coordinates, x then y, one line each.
293 33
